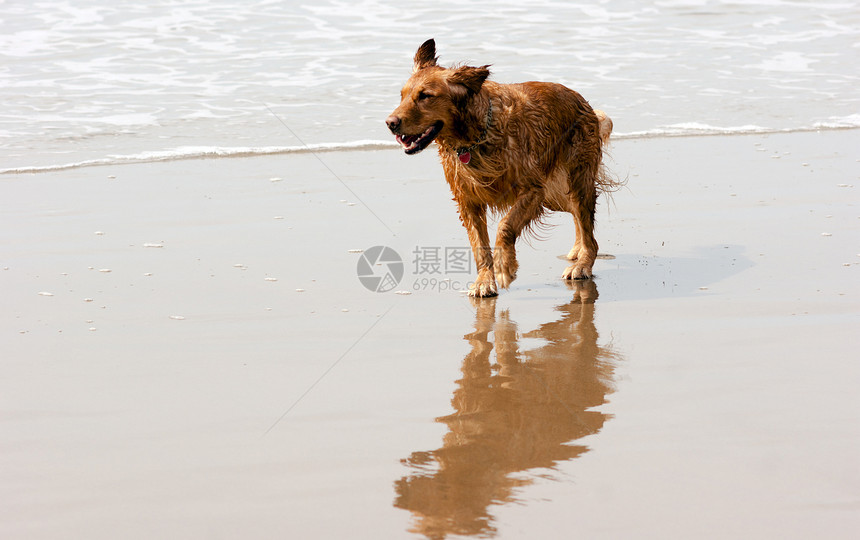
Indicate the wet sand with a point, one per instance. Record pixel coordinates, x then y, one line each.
188 353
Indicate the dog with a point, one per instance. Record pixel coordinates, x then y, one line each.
518 149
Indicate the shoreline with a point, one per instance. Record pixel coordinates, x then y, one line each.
183 153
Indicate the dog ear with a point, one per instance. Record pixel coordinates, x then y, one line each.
426 55
470 78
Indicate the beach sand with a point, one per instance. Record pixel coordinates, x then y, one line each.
188 352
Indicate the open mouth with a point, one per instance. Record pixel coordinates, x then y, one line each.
412 144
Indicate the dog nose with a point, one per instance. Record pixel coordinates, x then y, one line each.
392 122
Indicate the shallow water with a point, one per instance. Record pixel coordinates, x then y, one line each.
94 80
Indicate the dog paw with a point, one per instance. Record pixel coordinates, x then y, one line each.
482 289
577 271
505 266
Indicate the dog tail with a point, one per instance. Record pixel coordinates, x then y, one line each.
607 183
605 126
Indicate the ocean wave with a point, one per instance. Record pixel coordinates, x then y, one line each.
696 129
686 129
843 122
206 152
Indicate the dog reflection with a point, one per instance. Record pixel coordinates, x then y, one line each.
516 414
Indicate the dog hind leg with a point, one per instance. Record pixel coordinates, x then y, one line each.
583 205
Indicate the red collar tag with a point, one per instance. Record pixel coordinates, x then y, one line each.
465 158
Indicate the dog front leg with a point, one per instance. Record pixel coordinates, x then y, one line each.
474 218
526 209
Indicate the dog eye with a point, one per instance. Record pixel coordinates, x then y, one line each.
423 95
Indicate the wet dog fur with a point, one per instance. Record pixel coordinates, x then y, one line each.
515 149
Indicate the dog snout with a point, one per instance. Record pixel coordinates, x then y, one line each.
393 123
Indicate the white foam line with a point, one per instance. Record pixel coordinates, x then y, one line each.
682 130
207 152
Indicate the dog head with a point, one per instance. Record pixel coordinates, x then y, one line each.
433 100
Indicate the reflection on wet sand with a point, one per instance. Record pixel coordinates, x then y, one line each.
518 414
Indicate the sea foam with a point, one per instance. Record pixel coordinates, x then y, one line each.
684 129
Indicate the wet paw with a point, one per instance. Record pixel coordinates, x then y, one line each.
577 271
482 289
505 266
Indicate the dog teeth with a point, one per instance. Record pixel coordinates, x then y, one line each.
411 142
407 140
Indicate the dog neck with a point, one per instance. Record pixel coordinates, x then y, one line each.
461 150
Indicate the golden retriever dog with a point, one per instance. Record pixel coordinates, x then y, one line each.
518 149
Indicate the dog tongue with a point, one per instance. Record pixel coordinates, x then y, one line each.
465 158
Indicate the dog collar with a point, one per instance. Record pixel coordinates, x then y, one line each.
464 154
